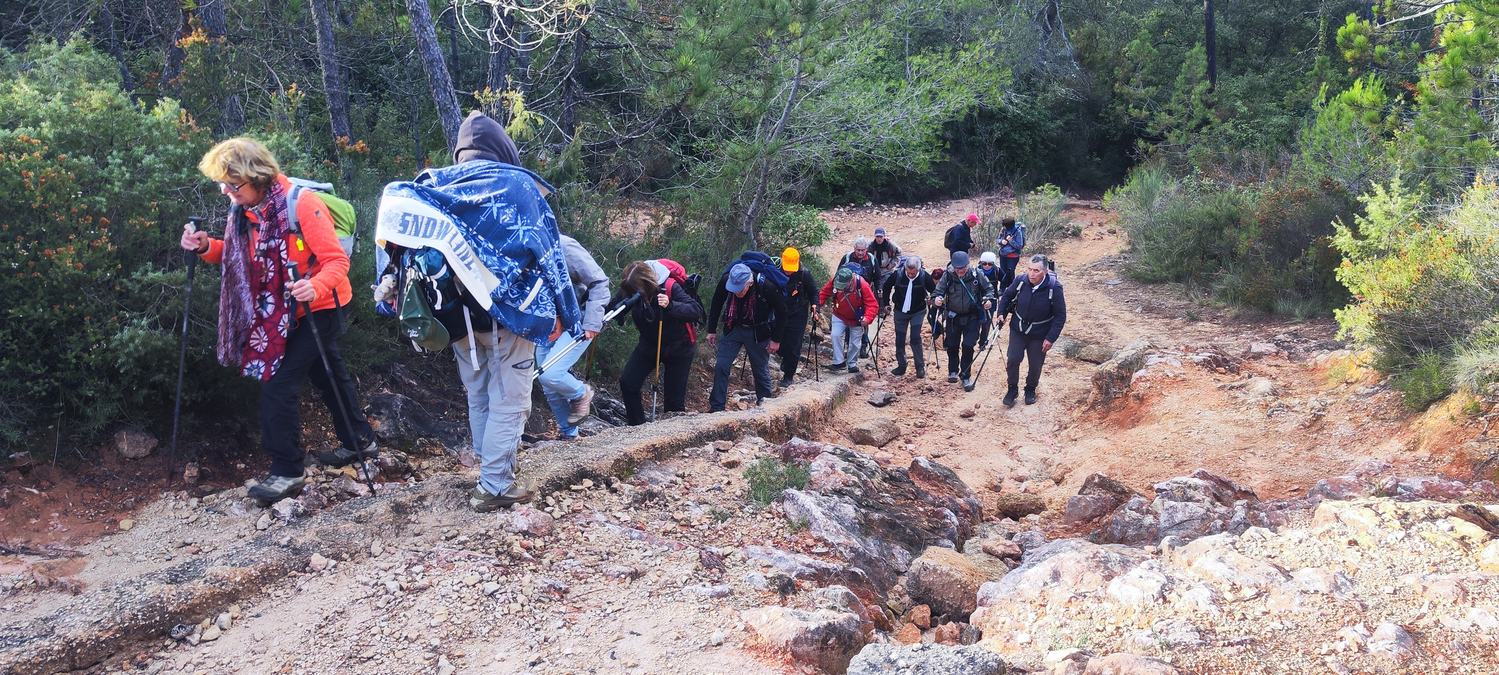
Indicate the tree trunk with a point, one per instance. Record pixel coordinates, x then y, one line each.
760 202
215 20
172 70
501 56
1210 41
437 71
449 21
333 79
112 40
572 90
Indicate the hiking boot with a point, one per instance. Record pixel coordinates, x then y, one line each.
272 489
853 368
785 383
898 370
578 410
341 456
835 367
482 502
1010 398
967 384
1030 396
921 373
952 377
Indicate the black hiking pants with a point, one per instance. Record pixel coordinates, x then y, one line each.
280 421
962 333
791 347
1026 347
908 327
676 365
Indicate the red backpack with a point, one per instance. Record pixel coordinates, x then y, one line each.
677 274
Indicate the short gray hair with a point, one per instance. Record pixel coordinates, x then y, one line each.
861 242
1038 258
913 261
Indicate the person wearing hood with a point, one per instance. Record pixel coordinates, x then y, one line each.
801 300
754 320
664 310
567 396
967 298
1040 311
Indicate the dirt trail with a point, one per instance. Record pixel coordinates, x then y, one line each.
1184 418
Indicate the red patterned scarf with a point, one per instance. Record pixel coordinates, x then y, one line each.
255 312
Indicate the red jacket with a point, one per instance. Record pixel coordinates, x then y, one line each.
846 304
319 238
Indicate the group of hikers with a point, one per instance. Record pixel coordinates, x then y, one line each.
471 259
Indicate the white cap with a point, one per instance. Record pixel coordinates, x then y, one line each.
989 257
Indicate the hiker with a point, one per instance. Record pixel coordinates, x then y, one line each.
801 301
567 396
657 313
1011 243
265 329
853 307
886 256
988 266
754 319
960 237
967 298
860 256
521 280
908 293
1040 311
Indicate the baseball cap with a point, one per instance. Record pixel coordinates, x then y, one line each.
791 259
842 279
879 231
959 259
739 278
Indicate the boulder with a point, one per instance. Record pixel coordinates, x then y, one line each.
1112 378
945 580
1081 509
1392 641
1145 584
1018 505
1128 664
822 638
877 433
1414 488
527 520
1057 570
1002 548
926 660
943 486
881 398
1339 487
1100 485
805 567
132 444
1134 522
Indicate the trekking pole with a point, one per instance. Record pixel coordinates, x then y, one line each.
338 397
874 344
554 358
187 304
656 388
811 333
987 349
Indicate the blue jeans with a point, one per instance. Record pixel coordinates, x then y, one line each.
729 345
558 383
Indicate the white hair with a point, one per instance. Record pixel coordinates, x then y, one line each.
861 242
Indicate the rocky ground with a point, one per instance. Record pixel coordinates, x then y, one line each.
1197 491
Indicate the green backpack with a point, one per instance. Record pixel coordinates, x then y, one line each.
342 211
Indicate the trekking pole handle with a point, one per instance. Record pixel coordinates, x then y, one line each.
194 223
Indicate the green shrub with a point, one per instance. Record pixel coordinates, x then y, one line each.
1043 212
1188 239
793 225
1424 382
768 477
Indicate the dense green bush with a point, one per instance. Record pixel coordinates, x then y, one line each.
1423 381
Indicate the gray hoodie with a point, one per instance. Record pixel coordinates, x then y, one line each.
589 282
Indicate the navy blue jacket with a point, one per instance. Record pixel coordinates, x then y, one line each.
1039 309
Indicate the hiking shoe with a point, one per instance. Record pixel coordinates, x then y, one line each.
272 489
921 373
341 456
952 377
578 410
1010 398
853 368
835 367
1030 396
898 370
482 502
785 383
968 384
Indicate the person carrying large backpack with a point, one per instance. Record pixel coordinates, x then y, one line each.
753 312
1011 243
567 396
1040 311
960 237
907 292
967 298
517 272
886 256
801 300
665 309
854 307
272 327
865 262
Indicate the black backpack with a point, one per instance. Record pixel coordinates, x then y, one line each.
950 240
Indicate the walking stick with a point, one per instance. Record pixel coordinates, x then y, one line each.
656 387
338 397
812 332
187 305
552 359
874 344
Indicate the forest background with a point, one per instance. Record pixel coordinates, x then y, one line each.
1302 157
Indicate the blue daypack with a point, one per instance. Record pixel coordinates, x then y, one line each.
766 269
